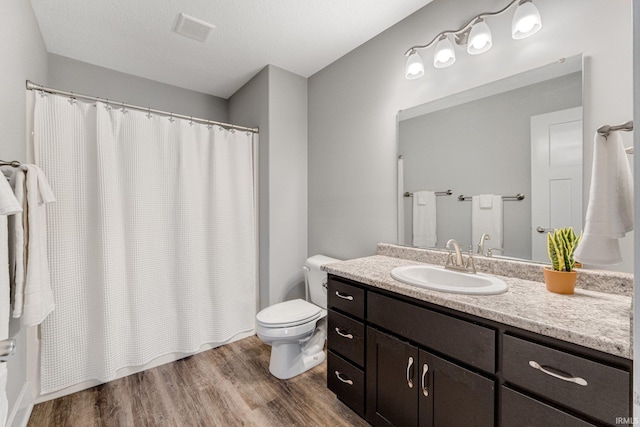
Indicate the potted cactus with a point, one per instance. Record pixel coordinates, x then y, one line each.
561 246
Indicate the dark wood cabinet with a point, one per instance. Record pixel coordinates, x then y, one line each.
404 362
407 386
392 380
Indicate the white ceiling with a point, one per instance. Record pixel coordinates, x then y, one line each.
136 37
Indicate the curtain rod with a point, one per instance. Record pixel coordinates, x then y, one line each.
34 86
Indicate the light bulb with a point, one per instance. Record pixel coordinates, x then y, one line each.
480 39
445 55
415 67
526 21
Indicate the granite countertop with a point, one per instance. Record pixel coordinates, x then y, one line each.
593 319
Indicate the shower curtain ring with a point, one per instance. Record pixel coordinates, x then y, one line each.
149 113
171 118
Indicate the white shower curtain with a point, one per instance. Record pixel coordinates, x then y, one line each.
152 245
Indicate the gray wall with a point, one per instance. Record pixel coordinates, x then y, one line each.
275 100
23 57
249 106
353 104
80 77
287 184
470 148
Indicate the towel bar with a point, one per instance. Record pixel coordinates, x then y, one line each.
438 193
516 198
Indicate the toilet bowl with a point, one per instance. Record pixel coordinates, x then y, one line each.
296 330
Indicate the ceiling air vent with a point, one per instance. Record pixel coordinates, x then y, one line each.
194 28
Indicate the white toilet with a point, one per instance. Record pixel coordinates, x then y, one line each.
296 330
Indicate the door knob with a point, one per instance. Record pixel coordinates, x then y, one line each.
541 229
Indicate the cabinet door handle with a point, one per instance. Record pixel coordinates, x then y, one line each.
344 296
425 369
577 380
338 375
410 377
342 334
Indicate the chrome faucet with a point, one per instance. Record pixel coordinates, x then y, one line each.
459 264
484 237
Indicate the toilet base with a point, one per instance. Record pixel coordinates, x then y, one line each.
291 359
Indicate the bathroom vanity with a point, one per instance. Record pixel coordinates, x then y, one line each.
403 355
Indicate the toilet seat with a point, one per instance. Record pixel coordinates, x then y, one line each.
288 314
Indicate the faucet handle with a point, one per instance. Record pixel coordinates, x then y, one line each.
471 266
449 258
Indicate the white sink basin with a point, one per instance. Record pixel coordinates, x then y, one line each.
439 279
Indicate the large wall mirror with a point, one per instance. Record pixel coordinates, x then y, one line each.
519 139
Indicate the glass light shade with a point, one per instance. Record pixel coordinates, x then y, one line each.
445 55
415 67
480 39
526 21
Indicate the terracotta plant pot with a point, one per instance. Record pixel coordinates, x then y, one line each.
560 282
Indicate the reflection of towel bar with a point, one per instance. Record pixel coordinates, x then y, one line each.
515 198
438 193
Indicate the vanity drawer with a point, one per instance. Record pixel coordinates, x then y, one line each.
346 337
346 298
346 381
523 411
465 341
606 391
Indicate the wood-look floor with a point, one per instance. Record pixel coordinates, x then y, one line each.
227 386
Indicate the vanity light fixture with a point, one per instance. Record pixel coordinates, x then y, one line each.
475 35
415 66
480 39
445 54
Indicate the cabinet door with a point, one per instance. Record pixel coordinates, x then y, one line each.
450 395
392 380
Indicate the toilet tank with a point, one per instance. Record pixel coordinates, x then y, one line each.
316 278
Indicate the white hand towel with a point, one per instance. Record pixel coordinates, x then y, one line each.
8 202
486 201
17 234
424 219
38 296
610 208
487 220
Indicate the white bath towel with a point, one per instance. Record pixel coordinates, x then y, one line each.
610 208
17 249
38 297
487 219
424 219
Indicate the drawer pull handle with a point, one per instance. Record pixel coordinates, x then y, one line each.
342 334
425 369
577 380
410 378
343 296
342 379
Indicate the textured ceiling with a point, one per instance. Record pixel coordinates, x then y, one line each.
136 37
